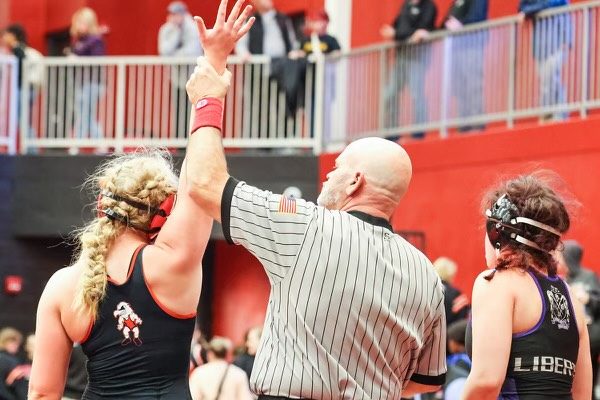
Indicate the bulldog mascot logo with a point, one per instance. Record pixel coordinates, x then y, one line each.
129 323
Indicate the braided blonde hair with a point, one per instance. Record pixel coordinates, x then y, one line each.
147 177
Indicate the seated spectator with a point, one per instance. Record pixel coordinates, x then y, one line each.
217 379
459 364
412 25
13 375
246 360
456 303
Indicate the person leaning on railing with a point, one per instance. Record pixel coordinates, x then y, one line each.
412 25
552 37
467 58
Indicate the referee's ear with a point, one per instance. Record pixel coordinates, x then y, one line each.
355 184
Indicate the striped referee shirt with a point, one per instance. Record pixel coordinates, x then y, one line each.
354 312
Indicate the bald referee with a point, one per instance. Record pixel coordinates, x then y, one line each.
355 311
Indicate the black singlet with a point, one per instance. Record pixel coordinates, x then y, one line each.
137 349
542 359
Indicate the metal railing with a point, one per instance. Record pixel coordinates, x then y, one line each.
8 104
115 103
497 71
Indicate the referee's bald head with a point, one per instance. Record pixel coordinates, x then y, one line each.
371 175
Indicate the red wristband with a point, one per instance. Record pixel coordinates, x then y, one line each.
208 112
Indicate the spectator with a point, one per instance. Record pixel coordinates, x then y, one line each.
246 360
586 288
87 41
455 302
272 33
14 38
412 25
13 375
551 40
218 379
459 364
318 40
30 347
178 37
198 349
467 58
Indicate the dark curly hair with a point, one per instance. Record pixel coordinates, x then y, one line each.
535 199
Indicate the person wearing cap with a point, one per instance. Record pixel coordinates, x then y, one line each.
218 379
178 37
317 39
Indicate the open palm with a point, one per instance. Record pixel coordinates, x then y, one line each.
220 41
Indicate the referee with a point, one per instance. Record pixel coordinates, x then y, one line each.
355 311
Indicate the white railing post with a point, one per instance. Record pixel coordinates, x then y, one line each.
382 86
512 61
585 59
24 108
12 116
446 63
319 104
120 105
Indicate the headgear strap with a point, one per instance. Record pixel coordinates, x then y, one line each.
504 213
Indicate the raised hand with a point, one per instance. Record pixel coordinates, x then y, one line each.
220 41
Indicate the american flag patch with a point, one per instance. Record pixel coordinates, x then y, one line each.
287 205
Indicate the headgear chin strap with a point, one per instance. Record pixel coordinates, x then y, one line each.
503 225
159 214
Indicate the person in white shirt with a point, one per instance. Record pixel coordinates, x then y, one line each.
218 379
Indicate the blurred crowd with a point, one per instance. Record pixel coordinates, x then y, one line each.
218 370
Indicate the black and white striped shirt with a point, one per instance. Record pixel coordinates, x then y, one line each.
355 311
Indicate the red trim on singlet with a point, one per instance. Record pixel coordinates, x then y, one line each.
131 266
162 306
87 333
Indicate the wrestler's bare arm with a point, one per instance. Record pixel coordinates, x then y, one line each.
582 381
207 167
53 345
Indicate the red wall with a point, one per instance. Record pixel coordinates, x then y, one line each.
450 177
240 291
133 23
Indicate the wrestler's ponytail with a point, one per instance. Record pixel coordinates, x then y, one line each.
146 177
